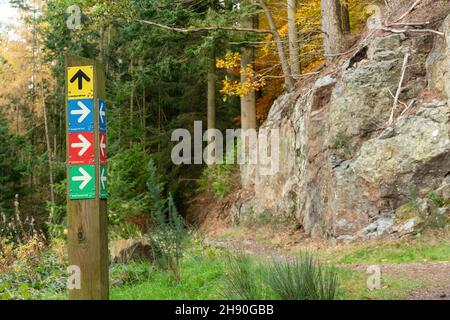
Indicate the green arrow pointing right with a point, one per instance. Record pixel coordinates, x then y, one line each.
82 182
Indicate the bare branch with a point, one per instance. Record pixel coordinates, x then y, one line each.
409 11
399 89
413 30
408 107
399 24
202 29
399 101
304 75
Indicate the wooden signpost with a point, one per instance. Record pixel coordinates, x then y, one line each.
86 177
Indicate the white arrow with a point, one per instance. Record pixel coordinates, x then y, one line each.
102 112
102 145
84 145
103 178
84 111
85 178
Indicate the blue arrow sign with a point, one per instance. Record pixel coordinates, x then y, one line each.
101 116
81 115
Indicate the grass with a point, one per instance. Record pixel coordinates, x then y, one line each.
204 275
233 233
393 254
205 283
302 278
354 286
244 279
430 248
225 276
199 280
204 279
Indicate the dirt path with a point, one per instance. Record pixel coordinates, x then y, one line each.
435 274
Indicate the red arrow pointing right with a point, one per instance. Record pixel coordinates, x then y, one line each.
84 145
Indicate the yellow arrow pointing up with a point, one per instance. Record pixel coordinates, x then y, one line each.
80 82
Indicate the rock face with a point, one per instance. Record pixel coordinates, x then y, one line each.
344 170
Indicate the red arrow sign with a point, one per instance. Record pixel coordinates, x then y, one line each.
102 149
81 148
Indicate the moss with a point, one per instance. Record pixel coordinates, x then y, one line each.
342 143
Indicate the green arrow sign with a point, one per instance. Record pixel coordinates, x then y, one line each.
103 182
82 182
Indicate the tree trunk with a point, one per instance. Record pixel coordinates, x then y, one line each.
289 81
120 129
17 119
144 111
49 150
101 44
345 18
211 107
293 38
131 101
333 37
248 100
55 147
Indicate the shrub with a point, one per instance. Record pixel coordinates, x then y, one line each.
28 268
167 239
168 232
302 278
437 216
57 220
11 289
130 273
51 269
219 179
128 174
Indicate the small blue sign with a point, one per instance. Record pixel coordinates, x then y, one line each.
101 116
81 115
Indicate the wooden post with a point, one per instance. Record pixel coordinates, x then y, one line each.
86 201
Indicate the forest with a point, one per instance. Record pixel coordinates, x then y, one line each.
228 65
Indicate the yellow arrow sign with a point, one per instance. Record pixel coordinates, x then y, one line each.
80 82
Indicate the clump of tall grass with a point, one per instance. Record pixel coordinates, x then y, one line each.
243 279
302 278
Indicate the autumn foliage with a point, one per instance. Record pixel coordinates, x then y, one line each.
265 74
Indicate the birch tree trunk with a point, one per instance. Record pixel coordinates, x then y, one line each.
288 80
293 38
333 36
